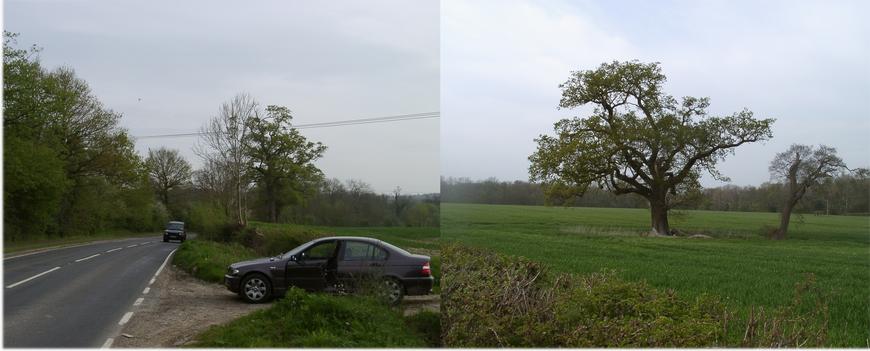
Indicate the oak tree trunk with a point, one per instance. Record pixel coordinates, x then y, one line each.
659 215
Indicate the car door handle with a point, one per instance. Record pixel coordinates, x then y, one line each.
273 268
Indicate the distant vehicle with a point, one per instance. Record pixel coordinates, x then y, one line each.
336 264
174 231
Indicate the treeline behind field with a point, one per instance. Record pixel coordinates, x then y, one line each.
331 202
69 168
847 194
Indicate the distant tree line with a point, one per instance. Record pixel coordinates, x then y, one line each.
845 194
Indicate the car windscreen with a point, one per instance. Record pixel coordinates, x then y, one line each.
175 226
298 249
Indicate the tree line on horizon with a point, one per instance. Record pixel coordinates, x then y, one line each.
845 194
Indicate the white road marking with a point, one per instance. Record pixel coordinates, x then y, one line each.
126 318
139 301
145 292
152 281
115 249
108 343
87 258
134 245
164 263
33 277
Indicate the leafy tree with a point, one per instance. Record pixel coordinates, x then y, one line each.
282 160
168 170
638 140
801 167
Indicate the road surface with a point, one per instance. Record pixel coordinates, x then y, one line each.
77 296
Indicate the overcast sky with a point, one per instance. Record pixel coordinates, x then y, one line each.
326 61
805 63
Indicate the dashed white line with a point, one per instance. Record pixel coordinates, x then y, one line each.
115 249
145 292
108 343
125 318
152 281
139 301
87 258
33 277
134 245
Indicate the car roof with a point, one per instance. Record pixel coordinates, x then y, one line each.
359 238
178 222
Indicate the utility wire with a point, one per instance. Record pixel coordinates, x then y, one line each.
385 119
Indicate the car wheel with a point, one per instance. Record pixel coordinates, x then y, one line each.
393 291
256 288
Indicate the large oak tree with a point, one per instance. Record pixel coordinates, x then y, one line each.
637 140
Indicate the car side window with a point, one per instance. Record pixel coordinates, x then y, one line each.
320 251
379 254
357 251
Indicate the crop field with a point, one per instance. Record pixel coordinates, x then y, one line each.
737 263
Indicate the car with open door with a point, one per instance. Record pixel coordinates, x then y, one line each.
334 264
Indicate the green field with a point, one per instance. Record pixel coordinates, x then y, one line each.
738 263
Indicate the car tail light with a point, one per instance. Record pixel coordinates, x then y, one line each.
426 270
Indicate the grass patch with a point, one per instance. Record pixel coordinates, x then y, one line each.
318 320
741 266
530 306
208 260
10 247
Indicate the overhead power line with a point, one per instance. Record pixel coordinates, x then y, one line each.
385 119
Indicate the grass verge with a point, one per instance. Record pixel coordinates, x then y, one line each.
317 320
208 260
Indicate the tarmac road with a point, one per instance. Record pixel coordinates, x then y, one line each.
77 296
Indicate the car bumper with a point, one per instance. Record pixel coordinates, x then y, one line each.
419 286
232 282
176 236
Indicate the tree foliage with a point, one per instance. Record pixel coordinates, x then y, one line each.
69 167
168 170
799 168
281 159
638 140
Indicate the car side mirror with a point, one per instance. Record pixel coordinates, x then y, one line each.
293 258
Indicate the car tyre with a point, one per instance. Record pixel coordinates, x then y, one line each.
256 288
394 292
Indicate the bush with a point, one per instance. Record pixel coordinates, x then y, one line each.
428 325
316 320
492 300
208 260
208 220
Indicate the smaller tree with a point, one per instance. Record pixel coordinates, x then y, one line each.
168 170
801 167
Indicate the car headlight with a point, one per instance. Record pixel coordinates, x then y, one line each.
232 271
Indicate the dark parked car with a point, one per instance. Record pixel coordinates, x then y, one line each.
174 231
338 264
